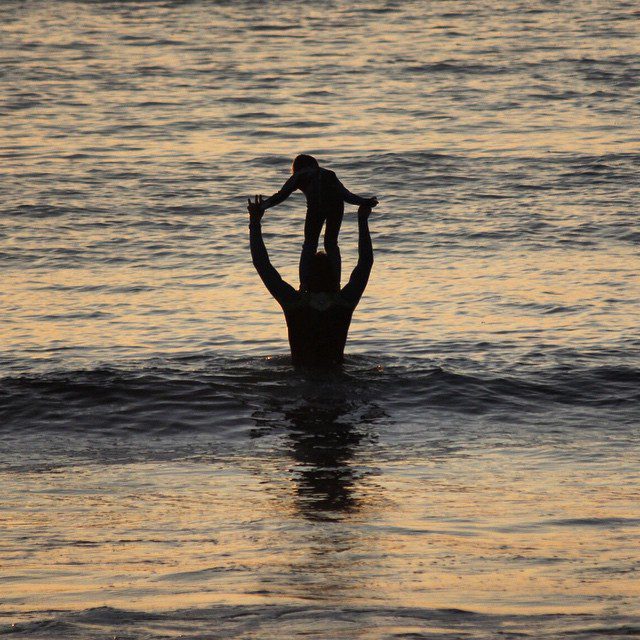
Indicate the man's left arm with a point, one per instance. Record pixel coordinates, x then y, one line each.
353 290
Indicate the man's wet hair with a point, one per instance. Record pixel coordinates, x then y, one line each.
303 161
322 277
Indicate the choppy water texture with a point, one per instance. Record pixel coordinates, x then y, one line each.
473 471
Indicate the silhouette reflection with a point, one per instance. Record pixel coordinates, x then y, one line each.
325 434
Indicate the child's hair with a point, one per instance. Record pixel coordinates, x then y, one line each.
322 276
303 161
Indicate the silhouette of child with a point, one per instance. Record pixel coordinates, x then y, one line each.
325 196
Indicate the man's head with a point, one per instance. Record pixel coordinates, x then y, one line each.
322 277
303 161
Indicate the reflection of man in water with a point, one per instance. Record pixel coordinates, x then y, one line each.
324 434
318 318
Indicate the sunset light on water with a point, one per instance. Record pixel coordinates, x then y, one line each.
472 468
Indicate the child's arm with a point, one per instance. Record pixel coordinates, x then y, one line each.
352 198
287 189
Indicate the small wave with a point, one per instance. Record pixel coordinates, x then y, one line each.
274 27
292 620
446 66
546 308
178 395
250 115
633 237
49 211
606 523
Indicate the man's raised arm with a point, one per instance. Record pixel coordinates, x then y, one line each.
282 291
353 290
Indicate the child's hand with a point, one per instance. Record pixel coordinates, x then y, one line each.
255 209
372 202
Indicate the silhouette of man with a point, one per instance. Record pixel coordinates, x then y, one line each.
319 316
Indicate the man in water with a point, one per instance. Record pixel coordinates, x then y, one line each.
325 196
319 316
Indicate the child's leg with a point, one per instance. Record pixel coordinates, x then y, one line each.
312 227
331 240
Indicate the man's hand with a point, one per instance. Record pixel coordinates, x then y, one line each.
255 209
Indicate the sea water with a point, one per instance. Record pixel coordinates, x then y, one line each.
472 472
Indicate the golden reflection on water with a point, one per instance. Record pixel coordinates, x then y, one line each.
490 533
155 111
313 522
554 125
138 307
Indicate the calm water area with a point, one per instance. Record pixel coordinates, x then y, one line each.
472 472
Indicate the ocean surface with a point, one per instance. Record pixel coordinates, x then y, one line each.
473 471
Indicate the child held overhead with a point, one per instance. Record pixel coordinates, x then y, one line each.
325 196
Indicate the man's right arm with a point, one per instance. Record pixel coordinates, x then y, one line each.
282 291
353 290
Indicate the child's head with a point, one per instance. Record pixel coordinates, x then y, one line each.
322 276
303 161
